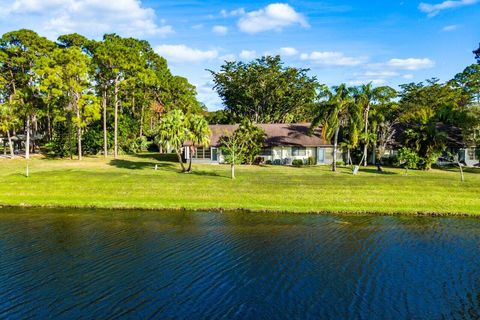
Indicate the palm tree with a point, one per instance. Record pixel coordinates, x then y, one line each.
173 132
334 113
199 134
364 97
7 122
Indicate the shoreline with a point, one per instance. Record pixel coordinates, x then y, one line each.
245 210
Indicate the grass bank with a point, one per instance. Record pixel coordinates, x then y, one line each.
131 182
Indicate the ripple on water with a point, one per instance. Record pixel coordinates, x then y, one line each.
103 264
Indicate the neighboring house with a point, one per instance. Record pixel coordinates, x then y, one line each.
469 156
283 144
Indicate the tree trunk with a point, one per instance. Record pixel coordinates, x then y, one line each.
180 160
79 132
49 125
27 142
335 144
232 170
190 159
115 142
462 177
10 144
365 146
141 120
105 139
79 142
34 133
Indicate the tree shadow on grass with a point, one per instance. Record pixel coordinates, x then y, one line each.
457 169
169 157
385 171
206 173
140 165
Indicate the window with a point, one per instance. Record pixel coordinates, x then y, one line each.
202 153
472 154
299 151
266 152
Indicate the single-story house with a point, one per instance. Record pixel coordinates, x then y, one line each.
283 144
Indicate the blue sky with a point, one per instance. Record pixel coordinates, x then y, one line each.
385 42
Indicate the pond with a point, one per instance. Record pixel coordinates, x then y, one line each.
64 264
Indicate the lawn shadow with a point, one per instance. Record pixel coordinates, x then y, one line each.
376 171
349 171
206 173
168 157
140 165
457 169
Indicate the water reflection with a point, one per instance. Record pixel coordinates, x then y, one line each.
111 264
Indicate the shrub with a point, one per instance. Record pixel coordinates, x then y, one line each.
268 162
311 161
408 159
297 162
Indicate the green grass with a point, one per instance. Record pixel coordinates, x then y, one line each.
131 182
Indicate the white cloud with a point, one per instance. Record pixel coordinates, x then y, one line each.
434 9
379 74
408 76
451 27
410 64
88 17
233 13
221 30
275 16
248 54
182 53
288 51
208 96
332 58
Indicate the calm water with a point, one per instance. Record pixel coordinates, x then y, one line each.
108 265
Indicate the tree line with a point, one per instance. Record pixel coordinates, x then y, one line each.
76 96
424 119
80 96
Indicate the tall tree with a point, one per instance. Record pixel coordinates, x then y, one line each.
383 121
265 90
334 112
429 112
21 51
198 134
70 73
8 120
115 58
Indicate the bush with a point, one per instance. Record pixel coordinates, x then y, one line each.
268 162
311 161
297 162
408 159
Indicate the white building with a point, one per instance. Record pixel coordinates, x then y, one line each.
283 144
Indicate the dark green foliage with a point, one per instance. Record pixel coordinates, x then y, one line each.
63 142
311 161
265 90
219 117
477 54
92 141
297 162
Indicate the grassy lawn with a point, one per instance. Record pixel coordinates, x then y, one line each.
131 182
